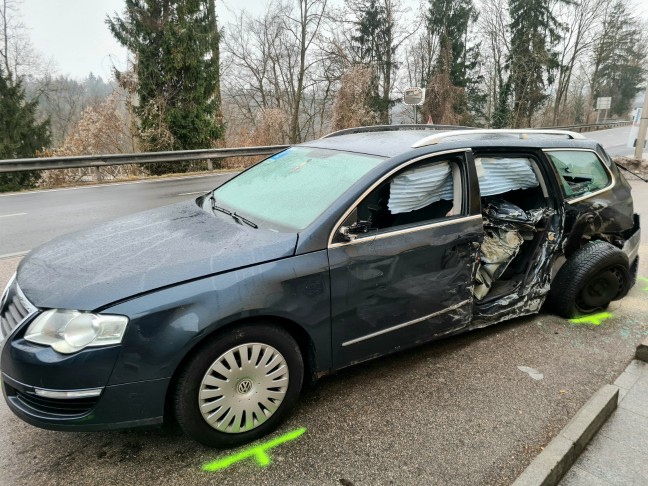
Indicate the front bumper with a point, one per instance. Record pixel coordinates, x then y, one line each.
119 406
28 368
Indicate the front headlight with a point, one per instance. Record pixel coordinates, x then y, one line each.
69 331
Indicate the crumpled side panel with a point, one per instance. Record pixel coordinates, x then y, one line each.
497 250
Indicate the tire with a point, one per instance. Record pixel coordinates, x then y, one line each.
590 279
239 386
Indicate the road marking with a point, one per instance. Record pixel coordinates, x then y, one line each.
645 280
190 193
259 453
112 184
9 215
594 319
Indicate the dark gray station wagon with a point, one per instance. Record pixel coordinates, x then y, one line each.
368 241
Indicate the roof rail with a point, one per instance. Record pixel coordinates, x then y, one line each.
389 128
522 132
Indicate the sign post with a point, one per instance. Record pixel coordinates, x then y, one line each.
603 103
643 127
414 96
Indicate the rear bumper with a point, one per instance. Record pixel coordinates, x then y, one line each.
118 406
631 245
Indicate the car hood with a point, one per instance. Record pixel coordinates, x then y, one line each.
91 268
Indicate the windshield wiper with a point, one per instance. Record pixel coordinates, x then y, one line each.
237 217
218 208
245 220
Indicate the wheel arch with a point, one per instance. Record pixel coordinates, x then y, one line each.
301 336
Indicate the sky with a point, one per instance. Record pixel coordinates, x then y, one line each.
73 33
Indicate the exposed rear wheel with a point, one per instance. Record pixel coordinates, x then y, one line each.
593 277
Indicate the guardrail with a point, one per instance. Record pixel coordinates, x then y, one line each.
592 127
96 161
14 165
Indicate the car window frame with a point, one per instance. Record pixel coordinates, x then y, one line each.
385 233
559 179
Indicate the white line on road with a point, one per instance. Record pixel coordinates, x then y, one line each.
190 193
8 215
112 184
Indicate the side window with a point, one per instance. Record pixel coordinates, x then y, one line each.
499 174
421 193
514 178
581 172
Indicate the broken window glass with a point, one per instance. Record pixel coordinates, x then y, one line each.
581 172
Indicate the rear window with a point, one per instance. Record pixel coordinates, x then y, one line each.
581 172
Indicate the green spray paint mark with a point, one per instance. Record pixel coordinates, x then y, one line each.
594 319
645 280
257 452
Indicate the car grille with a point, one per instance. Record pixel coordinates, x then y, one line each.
52 406
15 309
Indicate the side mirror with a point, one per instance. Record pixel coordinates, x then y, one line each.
350 233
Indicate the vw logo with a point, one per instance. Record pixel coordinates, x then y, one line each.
244 386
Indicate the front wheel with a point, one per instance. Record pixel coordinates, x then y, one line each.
239 386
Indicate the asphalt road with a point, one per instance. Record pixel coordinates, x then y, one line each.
614 140
28 219
455 412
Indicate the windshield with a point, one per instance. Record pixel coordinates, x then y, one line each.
292 188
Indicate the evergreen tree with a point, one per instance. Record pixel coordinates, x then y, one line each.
534 32
176 73
20 134
502 115
619 59
373 45
450 21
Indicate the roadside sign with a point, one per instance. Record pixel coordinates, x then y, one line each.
603 103
414 96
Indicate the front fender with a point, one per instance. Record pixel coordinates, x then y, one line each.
165 325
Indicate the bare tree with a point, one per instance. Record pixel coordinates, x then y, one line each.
350 107
270 62
496 47
17 55
581 19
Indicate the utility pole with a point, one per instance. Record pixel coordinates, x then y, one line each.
643 126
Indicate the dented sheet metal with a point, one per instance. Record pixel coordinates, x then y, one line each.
532 292
507 227
498 249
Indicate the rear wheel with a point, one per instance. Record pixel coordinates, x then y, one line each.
239 386
592 277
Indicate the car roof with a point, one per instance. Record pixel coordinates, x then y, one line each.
390 142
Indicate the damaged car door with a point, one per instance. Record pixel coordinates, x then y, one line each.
402 261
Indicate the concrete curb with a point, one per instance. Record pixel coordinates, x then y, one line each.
642 350
554 461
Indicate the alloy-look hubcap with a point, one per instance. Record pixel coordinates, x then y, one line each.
243 388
